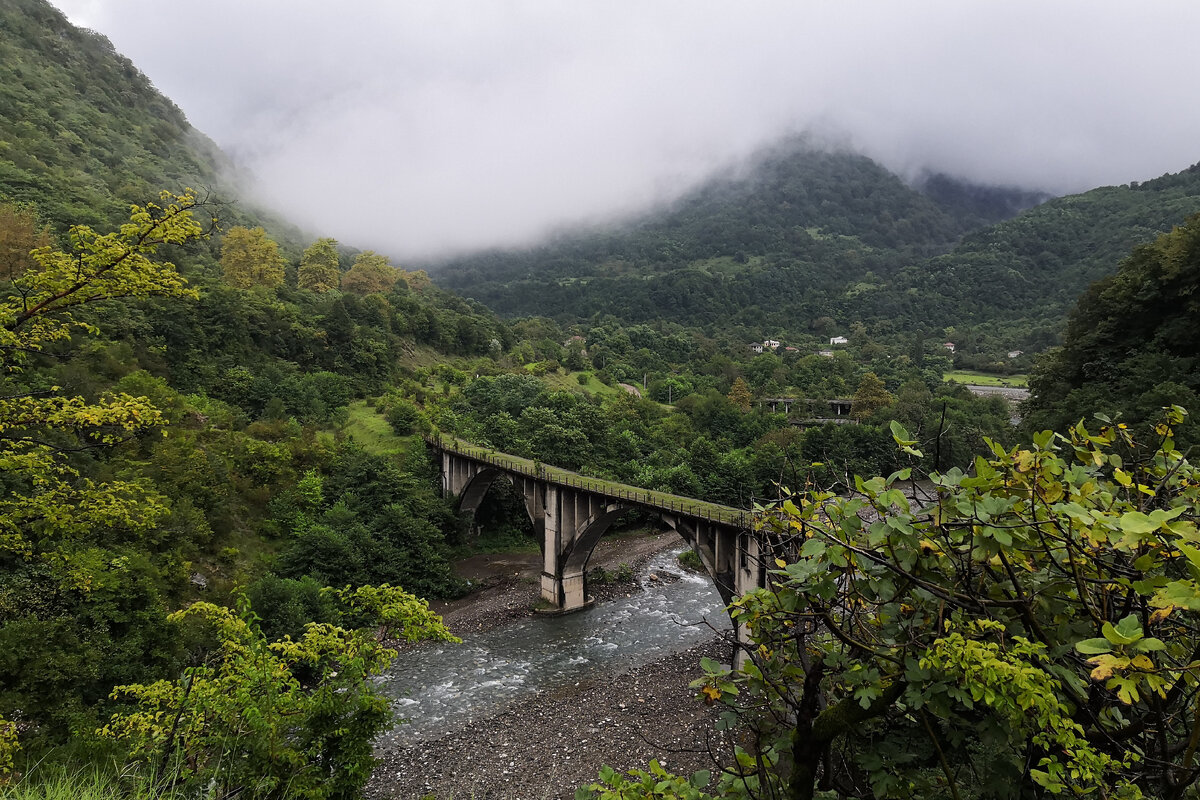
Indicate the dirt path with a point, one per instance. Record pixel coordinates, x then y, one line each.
545 746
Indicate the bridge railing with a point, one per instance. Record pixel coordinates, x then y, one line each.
631 494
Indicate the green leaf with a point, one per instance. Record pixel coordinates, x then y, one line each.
1192 554
1092 647
1137 523
1144 562
900 434
1127 631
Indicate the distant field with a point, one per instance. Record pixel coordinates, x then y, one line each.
984 379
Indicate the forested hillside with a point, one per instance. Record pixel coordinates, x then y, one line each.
1027 272
793 236
1131 342
810 241
83 133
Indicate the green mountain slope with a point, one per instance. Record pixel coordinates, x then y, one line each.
793 236
1029 270
83 133
1130 343
805 236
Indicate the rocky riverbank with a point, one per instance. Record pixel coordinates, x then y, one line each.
545 745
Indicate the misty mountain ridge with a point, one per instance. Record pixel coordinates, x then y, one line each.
804 233
84 133
798 222
779 200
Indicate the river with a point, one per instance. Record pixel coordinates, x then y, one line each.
442 689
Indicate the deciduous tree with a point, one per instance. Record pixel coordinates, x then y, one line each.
250 258
739 394
20 234
870 396
272 719
371 273
1032 627
319 270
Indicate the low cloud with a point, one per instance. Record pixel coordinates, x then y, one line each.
424 128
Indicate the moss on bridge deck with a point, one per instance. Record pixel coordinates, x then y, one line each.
663 501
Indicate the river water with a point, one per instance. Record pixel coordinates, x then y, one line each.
443 688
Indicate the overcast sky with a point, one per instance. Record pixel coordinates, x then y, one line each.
416 128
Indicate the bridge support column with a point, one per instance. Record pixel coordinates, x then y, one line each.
575 521
552 550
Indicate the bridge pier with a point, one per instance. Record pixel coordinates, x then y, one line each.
575 521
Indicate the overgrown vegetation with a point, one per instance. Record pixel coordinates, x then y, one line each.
1026 629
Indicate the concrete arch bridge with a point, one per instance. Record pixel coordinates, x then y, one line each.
570 512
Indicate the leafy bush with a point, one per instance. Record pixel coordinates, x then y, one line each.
1031 625
272 719
690 560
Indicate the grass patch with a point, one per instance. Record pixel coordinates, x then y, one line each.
82 784
603 577
416 356
367 427
689 560
986 379
503 541
570 382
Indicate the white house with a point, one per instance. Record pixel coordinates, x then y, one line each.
839 340
756 348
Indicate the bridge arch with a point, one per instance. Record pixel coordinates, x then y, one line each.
575 557
477 488
591 530
471 481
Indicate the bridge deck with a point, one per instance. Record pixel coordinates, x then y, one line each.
661 501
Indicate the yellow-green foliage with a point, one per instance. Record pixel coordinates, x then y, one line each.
249 258
642 785
319 270
294 717
371 273
61 507
1035 618
95 267
55 521
8 748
